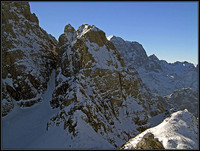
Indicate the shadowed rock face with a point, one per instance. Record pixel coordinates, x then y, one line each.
92 81
28 56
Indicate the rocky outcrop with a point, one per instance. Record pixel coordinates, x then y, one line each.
94 87
160 77
28 56
149 142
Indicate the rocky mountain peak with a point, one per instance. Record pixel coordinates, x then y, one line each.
84 28
132 47
132 51
68 28
69 35
83 33
92 33
110 37
82 40
115 39
153 57
17 9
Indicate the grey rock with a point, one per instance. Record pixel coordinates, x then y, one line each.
149 142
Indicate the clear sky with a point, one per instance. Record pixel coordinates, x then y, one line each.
167 29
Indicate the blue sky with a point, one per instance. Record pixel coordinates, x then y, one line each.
167 29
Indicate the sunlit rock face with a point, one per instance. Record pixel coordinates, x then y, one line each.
28 56
96 91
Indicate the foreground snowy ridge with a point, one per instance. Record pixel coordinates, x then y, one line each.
179 131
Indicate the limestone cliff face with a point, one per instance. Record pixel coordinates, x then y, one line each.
28 56
95 88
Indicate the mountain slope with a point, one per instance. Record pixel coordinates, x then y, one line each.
179 131
28 56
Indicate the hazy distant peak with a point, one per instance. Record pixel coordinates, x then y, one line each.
112 37
153 57
115 39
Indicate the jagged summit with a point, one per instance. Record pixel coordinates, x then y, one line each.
68 28
135 53
92 33
115 38
85 31
110 37
16 10
119 39
153 57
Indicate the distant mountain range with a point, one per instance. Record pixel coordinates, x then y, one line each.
161 78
